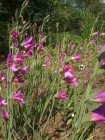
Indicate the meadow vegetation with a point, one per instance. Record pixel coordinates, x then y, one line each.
49 88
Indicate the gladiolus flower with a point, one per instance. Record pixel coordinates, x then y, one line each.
18 79
18 96
2 102
95 33
2 77
100 47
47 64
87 52
24 70
66 68
102 63
13 68
69 76
76 57
15 45
60 62
102 33
28 46
55 71
71 80
80 48
98 115
92 42
5 115
18 59
100 97
14 35
40 47
27 55
9 60
27 41
62 95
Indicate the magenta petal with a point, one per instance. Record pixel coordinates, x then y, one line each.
66 68
100 47
18 59
14 35
27 41
76 57
18 96
98 115
9 60
27 55
95 33
2 77
13 68
24 70
100 97
18 79
61 57
47 65
5 115
92 42
71 80
2 102
102 63
62 95
28 46
40 47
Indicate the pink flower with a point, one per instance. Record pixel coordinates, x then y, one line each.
87 52
71 80
24 70
18 79
95 33
27 41
100 97
9 60
62 95
28 46
55 71
60 62
98 115
2 102
15 45
76 57
69 75
18 96
47 63
18 59
66 68
102 33
102 63
13 68
2 77
5 115
14 35
40 47
80 48
92 42
27 55
100 47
